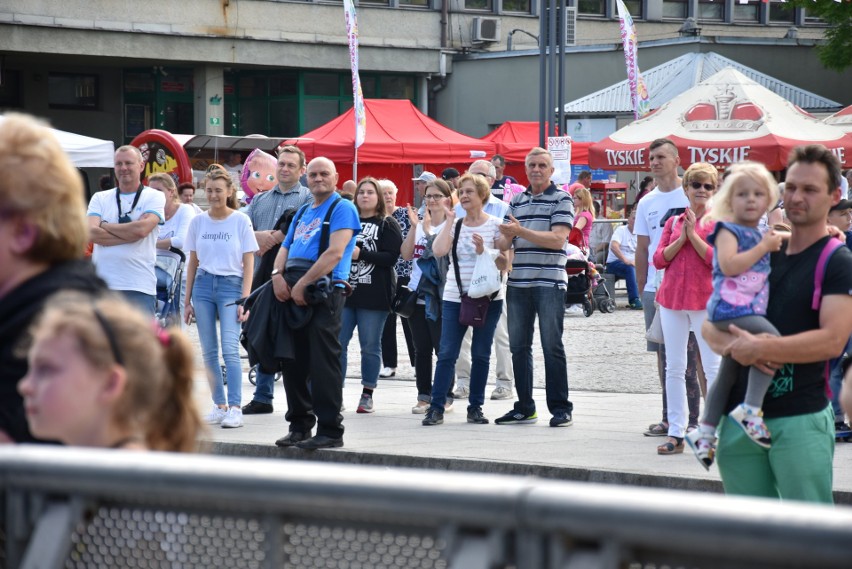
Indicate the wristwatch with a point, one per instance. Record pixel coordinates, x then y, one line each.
274 272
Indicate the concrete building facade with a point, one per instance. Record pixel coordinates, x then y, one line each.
111 69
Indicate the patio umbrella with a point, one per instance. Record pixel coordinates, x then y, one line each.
841 119
724 119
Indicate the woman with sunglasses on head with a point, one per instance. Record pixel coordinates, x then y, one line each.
371 278
173 231
425 323
101 375
221 247
687 284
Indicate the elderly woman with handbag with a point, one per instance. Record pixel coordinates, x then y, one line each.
465 240
687 284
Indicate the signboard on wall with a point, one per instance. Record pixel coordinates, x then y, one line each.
590 130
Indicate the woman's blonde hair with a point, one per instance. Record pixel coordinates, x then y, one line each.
217 172
168 182
480 184
700 170
39 183
585 197
157 401
720 204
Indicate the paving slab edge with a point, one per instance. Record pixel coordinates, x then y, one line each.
601 476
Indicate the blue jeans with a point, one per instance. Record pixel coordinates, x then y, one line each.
546 303
264 390
370 324
147 303
452 334
628 273
210 294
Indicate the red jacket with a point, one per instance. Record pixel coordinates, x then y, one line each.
687 283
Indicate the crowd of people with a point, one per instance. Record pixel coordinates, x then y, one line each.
747 283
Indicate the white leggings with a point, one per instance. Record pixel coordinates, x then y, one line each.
676 327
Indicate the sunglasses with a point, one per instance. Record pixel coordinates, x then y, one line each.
699 185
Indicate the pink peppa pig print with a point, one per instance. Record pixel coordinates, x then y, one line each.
745 289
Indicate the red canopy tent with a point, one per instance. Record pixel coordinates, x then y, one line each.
724 119
514 139
398 136
841 119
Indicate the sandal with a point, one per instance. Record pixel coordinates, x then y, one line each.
657 430
671 446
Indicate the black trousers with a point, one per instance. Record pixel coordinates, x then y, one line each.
312 381
390 356
427 340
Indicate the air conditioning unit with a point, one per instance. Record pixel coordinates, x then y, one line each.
569 29
570 25
486 29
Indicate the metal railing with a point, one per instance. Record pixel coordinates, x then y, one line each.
94 508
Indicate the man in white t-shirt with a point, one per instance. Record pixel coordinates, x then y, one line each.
123 226
667 199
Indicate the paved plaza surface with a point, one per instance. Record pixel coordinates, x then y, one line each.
614 388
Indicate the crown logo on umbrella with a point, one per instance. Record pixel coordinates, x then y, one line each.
725 113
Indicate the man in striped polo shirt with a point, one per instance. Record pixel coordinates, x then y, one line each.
537 227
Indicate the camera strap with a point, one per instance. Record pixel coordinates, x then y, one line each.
132 207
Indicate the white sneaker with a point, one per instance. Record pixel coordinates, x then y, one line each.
420 408
387 372
215 416
461 392
574 309
233 419
501 392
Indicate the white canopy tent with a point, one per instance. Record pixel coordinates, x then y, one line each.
84 151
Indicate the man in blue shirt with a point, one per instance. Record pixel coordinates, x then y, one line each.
312 381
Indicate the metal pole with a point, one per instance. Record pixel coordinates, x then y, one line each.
551 72
542 74
560 97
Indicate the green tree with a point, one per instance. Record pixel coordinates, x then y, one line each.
836 52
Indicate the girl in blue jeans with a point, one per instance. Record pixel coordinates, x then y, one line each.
476 231
221 247
372 278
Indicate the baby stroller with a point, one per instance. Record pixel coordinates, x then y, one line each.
585 285
169 270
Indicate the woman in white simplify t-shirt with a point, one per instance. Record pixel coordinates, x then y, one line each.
221 247
478 231
173 231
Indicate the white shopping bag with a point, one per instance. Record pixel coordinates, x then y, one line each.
486 277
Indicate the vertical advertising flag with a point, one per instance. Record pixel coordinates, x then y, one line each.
357 94
638 92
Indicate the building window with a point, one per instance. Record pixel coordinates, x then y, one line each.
479 5
779 12
72 91
520 6
591 7
635 8
322 84
747 12
711 10
675 9
10 90
414 3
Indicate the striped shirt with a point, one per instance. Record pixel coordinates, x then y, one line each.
267 208
533 265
